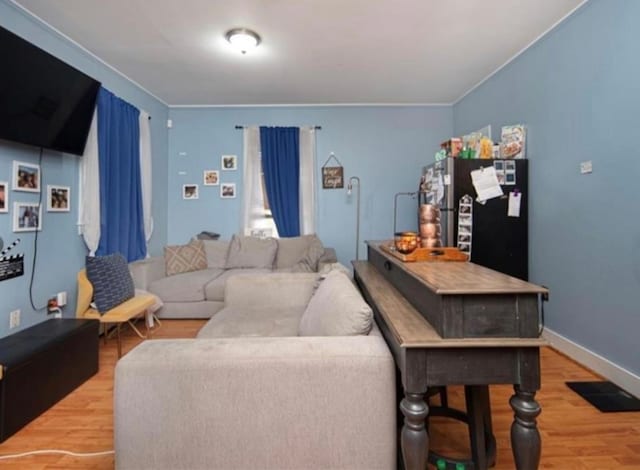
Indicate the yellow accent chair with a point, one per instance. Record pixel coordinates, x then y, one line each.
126 312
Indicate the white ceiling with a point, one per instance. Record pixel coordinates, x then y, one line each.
313 51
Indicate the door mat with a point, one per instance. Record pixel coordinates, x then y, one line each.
605 396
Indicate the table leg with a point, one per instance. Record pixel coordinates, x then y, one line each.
476 405
525 437
414 439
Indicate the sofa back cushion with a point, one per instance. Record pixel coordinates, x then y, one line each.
301 253
184 258
111 280
336 309
251 252
216 252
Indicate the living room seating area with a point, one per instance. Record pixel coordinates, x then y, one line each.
289 374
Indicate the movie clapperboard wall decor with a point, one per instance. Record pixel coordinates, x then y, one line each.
11 266
332 176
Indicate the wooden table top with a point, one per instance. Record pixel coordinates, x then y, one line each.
409 328
461 277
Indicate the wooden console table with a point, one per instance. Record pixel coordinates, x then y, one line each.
426 359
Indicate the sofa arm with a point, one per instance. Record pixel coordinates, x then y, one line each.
145 271
268 403
269 290
328 257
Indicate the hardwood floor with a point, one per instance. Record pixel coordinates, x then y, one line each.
575 435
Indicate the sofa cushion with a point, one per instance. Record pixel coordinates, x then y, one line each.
255 321
111 280
214 290
336 309
184 258
216 252
292 250
185 287
251 252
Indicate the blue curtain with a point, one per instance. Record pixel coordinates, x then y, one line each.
121 219
280 149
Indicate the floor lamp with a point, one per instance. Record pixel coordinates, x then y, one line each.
349 189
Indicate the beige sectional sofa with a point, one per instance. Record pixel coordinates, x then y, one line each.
200 293
285 376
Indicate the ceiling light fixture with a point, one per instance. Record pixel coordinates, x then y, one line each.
243 39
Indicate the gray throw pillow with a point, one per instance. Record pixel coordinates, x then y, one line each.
309 261
251 252
111 280
216 252
292 250
336 309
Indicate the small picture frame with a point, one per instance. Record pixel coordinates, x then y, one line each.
189 191
26 177
4 196
27 217
211 177
58 198
229 162
332 177
227 190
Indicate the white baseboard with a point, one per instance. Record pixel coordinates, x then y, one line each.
623 378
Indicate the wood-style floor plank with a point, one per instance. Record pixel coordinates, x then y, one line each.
575 435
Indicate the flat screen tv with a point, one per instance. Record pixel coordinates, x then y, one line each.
43 101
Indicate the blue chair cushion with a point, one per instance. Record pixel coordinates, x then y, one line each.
111 280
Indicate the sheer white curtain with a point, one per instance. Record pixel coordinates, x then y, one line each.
253 212
145 174
89 190
307 180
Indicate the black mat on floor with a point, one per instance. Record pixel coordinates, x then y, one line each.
605 396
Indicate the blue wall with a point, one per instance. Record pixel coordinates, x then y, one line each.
578 92
61 250
385 146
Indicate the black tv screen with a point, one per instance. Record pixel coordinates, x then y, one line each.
43 101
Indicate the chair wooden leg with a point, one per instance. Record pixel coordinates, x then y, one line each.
146 323
118 340
105 330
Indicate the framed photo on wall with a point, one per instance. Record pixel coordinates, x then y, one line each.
26 177
211 178
4 196
27 217
228 190
58 198
189 191
229 162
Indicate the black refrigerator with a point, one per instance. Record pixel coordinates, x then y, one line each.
491 236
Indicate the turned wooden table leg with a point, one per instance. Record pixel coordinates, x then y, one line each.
525 437
414 438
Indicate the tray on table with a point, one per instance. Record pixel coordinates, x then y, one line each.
447 253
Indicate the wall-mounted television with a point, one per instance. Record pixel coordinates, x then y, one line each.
43 101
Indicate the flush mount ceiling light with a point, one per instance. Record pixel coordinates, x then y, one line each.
243 39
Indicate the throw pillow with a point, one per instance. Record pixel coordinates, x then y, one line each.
216 252
111 280
292 250
309 261
251 252
184 258
336 309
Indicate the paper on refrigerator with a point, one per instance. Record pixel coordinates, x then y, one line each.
485 182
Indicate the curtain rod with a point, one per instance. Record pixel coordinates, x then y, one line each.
318 128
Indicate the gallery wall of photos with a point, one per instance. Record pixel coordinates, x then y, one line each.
27 216
212 177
